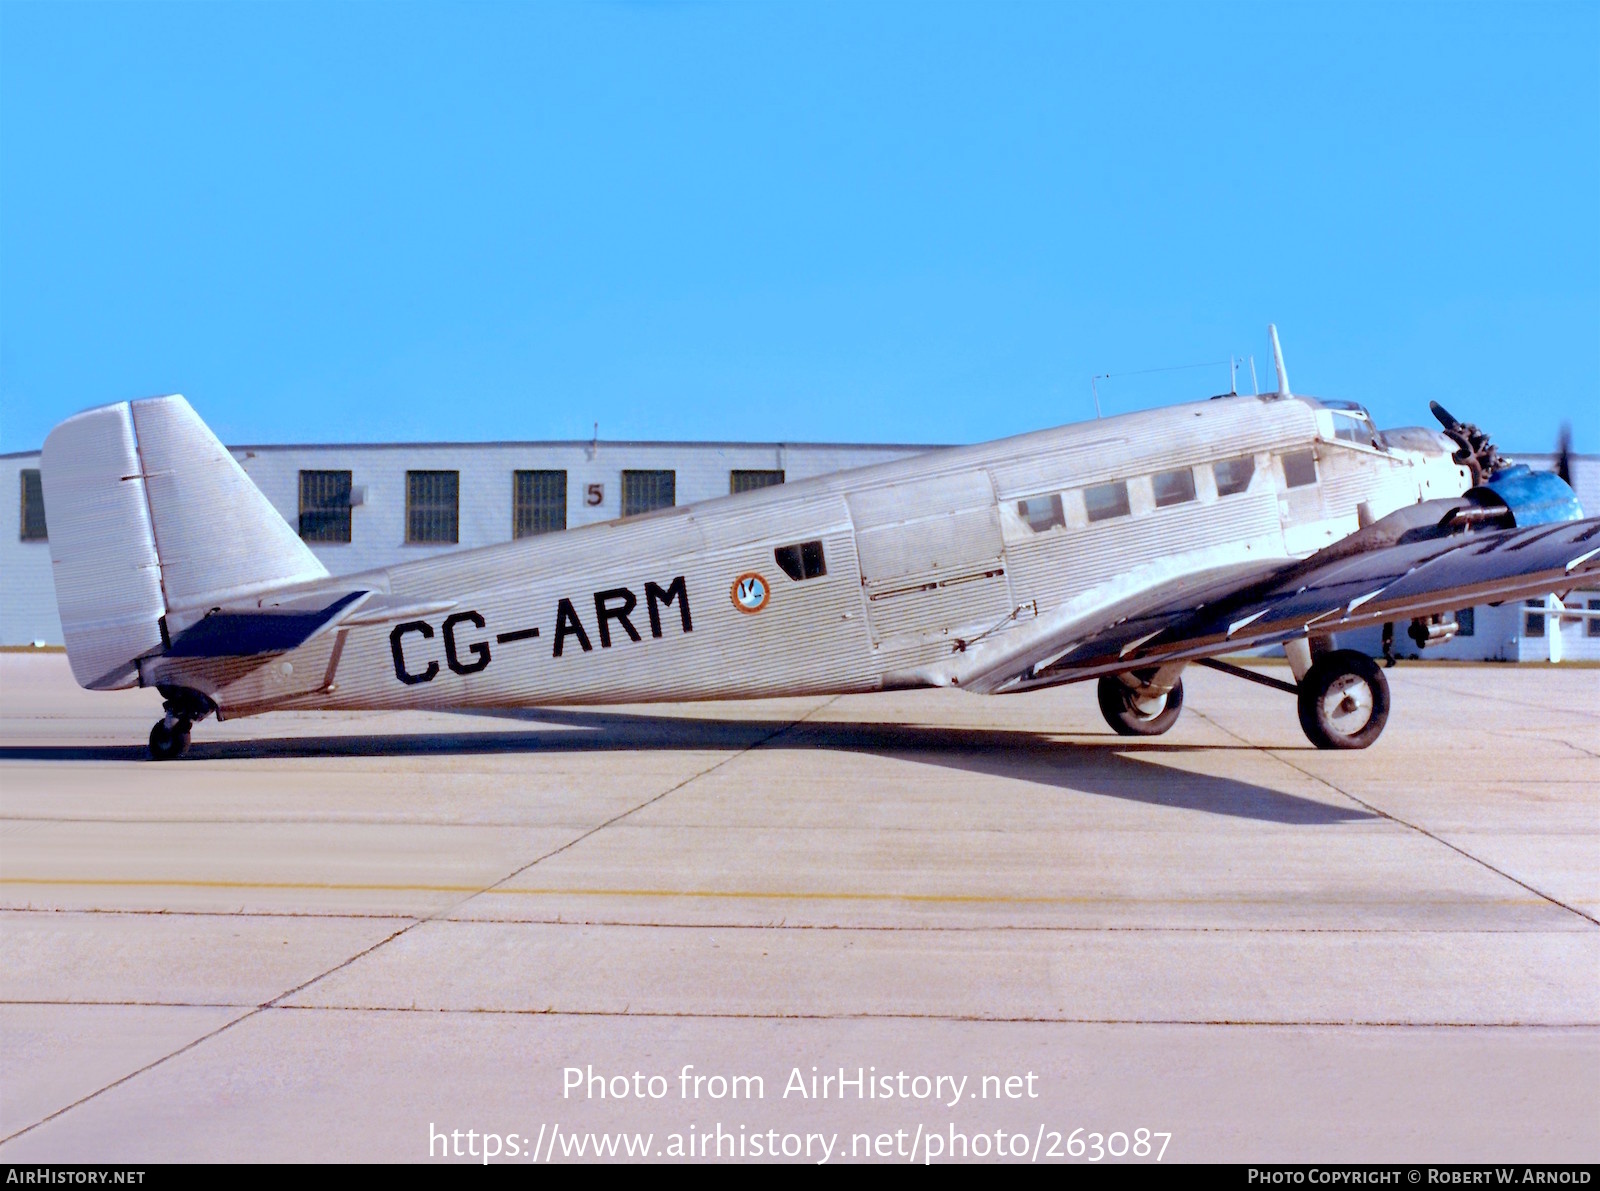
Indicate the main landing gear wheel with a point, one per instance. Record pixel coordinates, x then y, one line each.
1344 701
168 740
1131 714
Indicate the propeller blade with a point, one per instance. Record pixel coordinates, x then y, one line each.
1446 419
1564 454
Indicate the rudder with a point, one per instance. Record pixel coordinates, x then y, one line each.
150 517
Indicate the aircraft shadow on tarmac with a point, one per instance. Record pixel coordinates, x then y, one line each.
1107 769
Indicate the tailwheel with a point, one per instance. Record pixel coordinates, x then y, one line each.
169 739
1344 700
1131 712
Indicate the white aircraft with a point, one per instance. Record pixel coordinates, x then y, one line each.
1119 550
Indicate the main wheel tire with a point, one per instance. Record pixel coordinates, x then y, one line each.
168 743
1129 715
1344 701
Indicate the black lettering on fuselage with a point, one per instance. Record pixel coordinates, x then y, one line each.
605 613
478 649
397 648
568 625
656 598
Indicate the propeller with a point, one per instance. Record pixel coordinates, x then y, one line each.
1564 454
1474 450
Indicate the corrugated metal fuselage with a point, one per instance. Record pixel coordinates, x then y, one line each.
922 557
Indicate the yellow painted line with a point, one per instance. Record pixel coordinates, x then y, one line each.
729 894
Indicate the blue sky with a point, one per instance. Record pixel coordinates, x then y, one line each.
903 222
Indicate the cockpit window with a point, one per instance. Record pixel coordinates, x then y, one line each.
1233 475
1042 512
1352 423
801 561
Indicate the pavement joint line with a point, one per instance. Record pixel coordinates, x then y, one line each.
784 924
730 1015
1276 754
1544 707
412 925
796 895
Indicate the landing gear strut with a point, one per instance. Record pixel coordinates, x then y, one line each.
1135 711
169 739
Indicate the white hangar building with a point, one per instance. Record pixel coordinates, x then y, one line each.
361 506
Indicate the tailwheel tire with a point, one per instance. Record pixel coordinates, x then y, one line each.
1131 714
168 742
1344 701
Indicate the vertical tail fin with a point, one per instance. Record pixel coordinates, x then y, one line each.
150 515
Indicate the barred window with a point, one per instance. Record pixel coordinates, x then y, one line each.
1299 469
538 503
1105 501
1535 620
644 491
433 507
1466 622
33 528
325 506
1233 475
749 481
1173 487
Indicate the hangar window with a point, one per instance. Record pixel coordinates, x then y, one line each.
1534 620
646 491
1042 512
804 561
1105 501
1173 487
749 481
1233 475
1300 468
433 507
538 503
325 506
33 529
1466 622
1591 624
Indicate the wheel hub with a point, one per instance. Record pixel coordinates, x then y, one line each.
1347 705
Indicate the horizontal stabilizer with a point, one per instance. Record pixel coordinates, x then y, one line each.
232 633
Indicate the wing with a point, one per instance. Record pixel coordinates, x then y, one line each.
1337 589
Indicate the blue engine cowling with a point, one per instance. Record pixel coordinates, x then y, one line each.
1533 497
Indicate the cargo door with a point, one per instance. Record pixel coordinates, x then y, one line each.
932 559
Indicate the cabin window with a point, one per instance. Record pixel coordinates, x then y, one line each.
750 481
1591 624
1466 622
1233 475
1534 620
33 528
538 503
433 508
1173 487
1105 501
646 491
325 506
802 561
1300 468
1042 512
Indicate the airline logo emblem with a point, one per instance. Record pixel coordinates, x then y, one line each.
750 592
